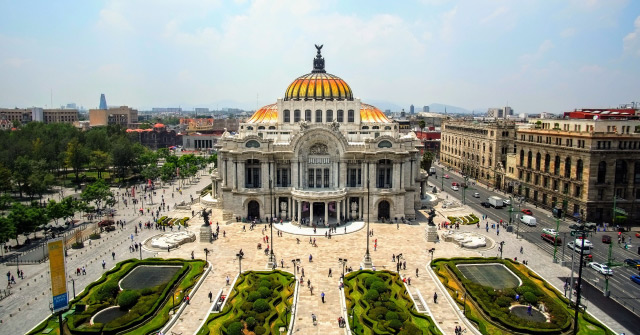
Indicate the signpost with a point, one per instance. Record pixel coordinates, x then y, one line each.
59 293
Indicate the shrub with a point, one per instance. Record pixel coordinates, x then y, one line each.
128 299
259 330
395 324
251 323
371 295
107 291
264 292
77 245
260 306
235 328
370 280
377 313
253 296
146 291
409 328
530 298
379 286
265 283
391 316
94 236
503 301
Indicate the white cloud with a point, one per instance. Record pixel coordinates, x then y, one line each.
113 21
631 42
542 50
568 32
448 22
16 61
494 15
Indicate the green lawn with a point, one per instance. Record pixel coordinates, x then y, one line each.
381 305
488 308
259 303
150 306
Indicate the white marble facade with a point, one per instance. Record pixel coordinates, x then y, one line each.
310 156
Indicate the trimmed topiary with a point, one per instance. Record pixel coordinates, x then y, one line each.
259 330
503 301
391 316
264 292
253 296
379 286
370 280
261 305
107 291
128 299
395 324
235 328
371 295
251 322
265 283
530 298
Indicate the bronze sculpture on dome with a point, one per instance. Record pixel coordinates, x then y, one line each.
318 62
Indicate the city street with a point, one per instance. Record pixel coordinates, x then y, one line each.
623 290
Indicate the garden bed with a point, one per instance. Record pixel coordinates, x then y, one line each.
504 310
167 221
258 304
381 305
467 219
141 309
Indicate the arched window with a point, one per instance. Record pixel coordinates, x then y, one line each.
329 116
287 116
296 115
567 167
547 162
529 159
579 168
252 173
602 172
307 115
340 115
272 127
249 128
521 157
365 128
387 128
318 116
538 159
375 127
261 128
621 171
252 144
384 144
556 167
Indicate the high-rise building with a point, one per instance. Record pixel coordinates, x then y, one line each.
412 109
425 109
103 102
123 115
500 113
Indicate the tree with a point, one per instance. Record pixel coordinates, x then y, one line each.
421 124
5 179
427 159
55 210
40 179
25 219
167 172
99 193
123 156
7 229
22 172
75 157
100 161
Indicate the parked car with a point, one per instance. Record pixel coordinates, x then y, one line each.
635 279
506 201
476 195
446 176
632 262
602 268
638 235
575 246
455 188
109 228
527 211
553 239
606 239
529 220
549 231
485 204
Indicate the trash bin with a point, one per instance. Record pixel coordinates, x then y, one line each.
509 229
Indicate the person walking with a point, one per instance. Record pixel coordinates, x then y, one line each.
435 297
322 296
329 272
104 264
113 255
227 280
521 249
417 272
210 296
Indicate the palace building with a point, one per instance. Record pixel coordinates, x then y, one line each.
319 155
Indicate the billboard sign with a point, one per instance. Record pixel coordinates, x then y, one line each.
58 275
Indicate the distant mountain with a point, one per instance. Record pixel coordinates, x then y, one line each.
440 108
384 105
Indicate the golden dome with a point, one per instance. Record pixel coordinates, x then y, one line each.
318 86
266 114
369 113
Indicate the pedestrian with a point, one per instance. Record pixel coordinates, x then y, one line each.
435 297
322 296
529 310
104 264
417 272
227 280
113 255
168 249
521 249
329 272
404 265
210 296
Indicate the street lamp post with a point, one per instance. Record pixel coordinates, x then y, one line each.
501 248
607 293
367 256
583 233
272 257
342 261
73 285
206 255
431 251
295 262
555 243
240 255
398 258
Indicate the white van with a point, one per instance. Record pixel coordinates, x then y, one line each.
432 170
529 220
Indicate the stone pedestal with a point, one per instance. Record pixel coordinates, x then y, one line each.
367 263
432 234
205 233
354 215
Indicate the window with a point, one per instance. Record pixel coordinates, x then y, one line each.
536 179
252 173
252 144
385 173
567 167
287 116
601 194
318 178
282 177
326 178
556 167
579 168
311 179
384 144
577 190
340 115
521 157
636 173
547 162
529 159
545 182
329 116
350 116
621 171
307 115
354 177
538 158
296 116
318 116
602 172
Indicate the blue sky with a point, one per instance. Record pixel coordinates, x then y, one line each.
537 56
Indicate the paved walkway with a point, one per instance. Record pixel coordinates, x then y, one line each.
295 229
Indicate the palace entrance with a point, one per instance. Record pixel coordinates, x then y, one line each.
383 210
253 210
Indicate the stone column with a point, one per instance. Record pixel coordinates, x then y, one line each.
311 212
264 176
396 176
290 208
299 211
241 175
360 207
338 212
326 212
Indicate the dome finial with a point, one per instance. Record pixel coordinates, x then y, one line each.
318 62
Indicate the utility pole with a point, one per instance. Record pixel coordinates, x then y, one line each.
607 293
583 233
555 243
